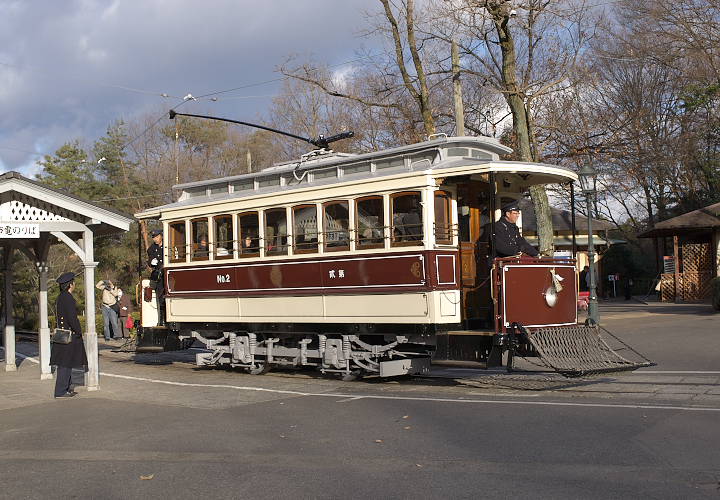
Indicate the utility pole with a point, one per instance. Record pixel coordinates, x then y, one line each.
177 154
248 160
457 91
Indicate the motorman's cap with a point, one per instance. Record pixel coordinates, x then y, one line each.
155 232
511 207
65 278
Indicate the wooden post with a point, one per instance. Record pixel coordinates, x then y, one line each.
457 91
44 330
91 341
676 250
9 334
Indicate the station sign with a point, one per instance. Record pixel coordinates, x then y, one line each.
19 231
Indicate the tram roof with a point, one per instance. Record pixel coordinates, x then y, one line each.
441 157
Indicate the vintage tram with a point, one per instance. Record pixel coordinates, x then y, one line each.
356 263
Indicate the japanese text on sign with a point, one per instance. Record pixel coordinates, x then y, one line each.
19 230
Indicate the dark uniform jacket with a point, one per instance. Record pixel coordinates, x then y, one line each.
126 307
70 355
155 251
508 241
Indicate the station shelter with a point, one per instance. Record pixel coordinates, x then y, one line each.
34 216
688 273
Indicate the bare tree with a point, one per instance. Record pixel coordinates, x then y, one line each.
526 51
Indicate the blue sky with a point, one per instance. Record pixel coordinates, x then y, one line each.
70 68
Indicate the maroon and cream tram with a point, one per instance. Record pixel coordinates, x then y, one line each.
356 264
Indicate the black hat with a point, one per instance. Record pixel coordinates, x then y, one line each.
511 207
65 278
155 232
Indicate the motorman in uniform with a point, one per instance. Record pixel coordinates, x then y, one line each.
508 241
155 261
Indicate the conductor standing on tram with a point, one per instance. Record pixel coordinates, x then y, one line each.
155 261
508 241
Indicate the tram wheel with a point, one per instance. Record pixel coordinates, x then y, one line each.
353 375
260 367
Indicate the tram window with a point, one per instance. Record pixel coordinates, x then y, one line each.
305 231
199 236
177 241
269 181
325 173
218 189
275 231
362 168
443 222
223 231
369 222
336 221
393 163
407 228
248 230
476 153
243 186
458 152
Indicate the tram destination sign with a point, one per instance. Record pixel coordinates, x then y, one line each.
19 231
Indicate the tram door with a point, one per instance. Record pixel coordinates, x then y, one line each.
473 212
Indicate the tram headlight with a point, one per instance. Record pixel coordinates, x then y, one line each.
551 296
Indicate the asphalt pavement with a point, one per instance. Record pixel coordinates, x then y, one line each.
161 426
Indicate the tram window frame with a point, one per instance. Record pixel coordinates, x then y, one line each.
283 246
443 227
333 246
298 232
360 239
228 243
197 255
418 238
254 249
177 253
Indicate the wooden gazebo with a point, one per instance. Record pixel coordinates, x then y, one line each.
696 254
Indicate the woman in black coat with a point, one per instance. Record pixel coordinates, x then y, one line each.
72 355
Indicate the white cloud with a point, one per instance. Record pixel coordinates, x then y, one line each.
70 58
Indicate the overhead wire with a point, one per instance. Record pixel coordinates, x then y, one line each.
189 97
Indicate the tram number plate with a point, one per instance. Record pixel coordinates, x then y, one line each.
223 278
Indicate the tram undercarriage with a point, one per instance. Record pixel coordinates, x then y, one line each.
347 356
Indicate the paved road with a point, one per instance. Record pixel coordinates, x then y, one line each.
462 434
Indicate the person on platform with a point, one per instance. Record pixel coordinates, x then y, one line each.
508 242
67 356
584 279
110 309
126 309
155 261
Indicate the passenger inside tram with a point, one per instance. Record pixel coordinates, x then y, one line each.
250 243
202 248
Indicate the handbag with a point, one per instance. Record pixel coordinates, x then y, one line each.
61 335
129 322
115 307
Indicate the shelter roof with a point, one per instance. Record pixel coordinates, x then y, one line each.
561 219
702 219
27 200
